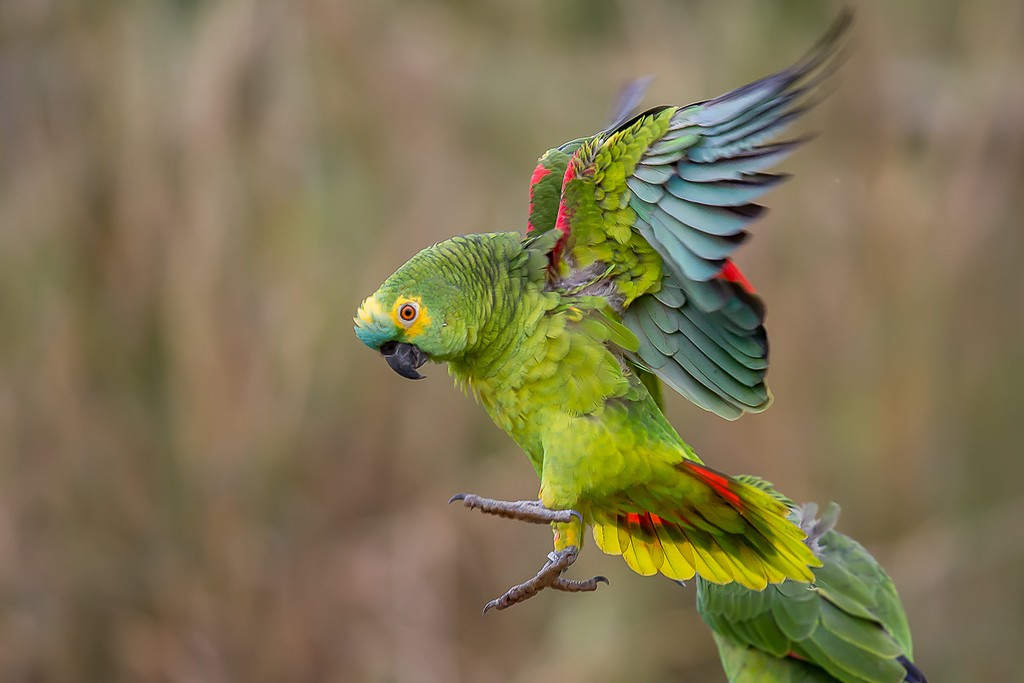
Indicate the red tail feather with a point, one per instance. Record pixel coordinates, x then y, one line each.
719 482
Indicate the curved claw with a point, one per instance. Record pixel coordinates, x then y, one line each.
549 576
496 602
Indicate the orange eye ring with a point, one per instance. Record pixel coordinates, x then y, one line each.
407 312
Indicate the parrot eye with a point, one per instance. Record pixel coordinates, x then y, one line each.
408 312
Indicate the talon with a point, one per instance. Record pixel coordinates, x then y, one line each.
494 604
549 576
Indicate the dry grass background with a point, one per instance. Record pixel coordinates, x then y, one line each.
204 477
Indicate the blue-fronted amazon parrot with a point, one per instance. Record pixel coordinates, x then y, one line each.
624 277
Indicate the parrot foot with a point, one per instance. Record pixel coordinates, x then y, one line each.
549 576
524 510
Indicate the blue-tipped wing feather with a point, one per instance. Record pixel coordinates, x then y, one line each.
694 193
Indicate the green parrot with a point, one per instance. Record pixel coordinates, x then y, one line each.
848 625
624 278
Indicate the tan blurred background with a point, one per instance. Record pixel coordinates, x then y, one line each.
204 477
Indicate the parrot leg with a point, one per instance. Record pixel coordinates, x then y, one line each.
532 511
549 576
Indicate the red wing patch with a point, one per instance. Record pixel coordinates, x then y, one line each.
564 215
562 221
538 175
731 273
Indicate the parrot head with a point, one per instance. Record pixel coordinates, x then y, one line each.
420 313
393 325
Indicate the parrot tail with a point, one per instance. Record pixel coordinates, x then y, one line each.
711 525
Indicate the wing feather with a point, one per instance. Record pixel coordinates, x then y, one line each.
662 199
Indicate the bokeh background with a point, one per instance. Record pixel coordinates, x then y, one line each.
204 477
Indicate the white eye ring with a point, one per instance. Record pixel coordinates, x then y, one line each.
408 312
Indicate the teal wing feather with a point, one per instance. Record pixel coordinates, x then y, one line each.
847 626
694 194
686 181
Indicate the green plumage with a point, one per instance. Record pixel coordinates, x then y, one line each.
546 187
625 276
743 664
848 625
550 368
662 200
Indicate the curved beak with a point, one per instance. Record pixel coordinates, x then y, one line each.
404 358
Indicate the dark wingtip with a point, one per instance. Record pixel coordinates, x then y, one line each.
835 32
914 674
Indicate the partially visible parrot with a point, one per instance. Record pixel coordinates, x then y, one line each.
624 277
848 625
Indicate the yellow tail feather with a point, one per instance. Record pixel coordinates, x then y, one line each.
724 530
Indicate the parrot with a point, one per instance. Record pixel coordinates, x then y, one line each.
623 280
848 625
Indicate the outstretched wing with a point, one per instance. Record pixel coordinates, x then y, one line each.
546 181
657 206
849 623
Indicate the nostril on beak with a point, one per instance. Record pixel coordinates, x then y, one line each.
389 348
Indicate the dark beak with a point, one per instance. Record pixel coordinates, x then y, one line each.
403 358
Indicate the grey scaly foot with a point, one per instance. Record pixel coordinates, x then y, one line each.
549 576
578 585
532 511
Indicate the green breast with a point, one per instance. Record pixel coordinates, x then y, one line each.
555 367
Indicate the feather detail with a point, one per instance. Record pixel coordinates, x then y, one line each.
722 539
847 625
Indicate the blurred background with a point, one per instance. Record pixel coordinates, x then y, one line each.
204 477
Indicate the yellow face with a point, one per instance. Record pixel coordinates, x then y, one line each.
411 314
405 320
396 331
369 311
